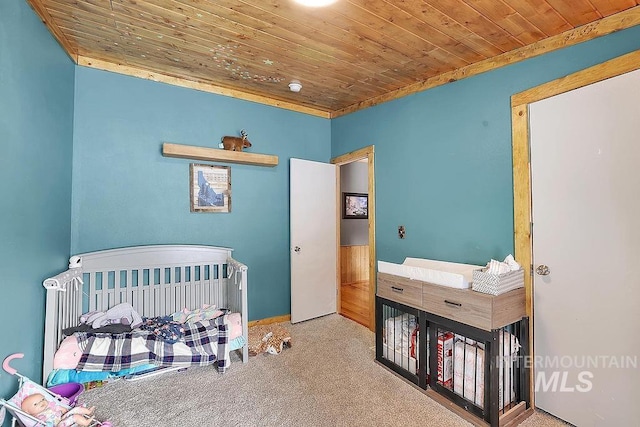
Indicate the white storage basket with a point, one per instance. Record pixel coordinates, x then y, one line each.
496 284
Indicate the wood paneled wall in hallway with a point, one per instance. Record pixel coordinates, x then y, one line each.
354 283
354 264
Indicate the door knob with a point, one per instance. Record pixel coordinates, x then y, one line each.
542 270
296 248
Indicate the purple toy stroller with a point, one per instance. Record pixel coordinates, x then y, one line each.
58 403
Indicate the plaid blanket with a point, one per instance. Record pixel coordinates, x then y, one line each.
203 343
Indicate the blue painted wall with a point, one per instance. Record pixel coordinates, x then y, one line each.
443 163
126 193
444 160
36 123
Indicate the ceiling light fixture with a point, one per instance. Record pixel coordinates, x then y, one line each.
295 86
315 3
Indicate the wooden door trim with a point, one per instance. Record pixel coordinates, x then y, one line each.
522 202
368 153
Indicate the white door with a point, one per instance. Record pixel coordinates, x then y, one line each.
585 159
313 239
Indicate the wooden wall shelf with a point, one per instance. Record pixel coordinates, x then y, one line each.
217 155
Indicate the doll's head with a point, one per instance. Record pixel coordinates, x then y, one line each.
34 404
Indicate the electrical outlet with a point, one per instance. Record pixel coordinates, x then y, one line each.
401 231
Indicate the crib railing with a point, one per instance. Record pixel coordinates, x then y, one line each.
155 281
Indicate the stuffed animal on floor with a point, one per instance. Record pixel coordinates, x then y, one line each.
268 338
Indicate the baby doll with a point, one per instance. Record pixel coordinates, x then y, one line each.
54 415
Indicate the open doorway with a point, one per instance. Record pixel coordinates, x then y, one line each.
356 238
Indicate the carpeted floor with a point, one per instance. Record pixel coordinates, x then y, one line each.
327 378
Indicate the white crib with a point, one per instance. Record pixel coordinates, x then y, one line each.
157 280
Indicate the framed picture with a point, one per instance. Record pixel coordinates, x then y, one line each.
210 188
355 205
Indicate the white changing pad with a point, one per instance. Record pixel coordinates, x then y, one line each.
451 274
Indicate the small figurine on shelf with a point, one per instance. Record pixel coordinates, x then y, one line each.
235 143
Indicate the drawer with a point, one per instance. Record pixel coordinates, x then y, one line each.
400 289
461 305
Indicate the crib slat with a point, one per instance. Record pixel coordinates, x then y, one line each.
162 289
145 292
205 284
187 282
117 288
219 285
130 295
93 292
103 293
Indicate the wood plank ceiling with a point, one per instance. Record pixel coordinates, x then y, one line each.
349 55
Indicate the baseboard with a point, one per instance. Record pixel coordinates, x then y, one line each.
517 419
270 320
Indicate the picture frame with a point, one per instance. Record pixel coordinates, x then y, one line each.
355 205
209 188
